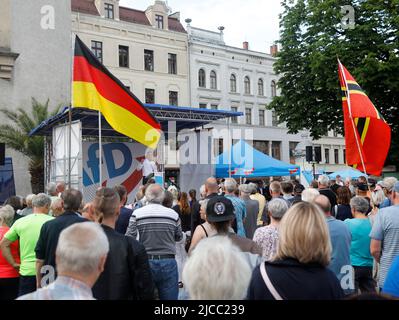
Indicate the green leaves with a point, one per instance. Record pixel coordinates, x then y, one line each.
311 39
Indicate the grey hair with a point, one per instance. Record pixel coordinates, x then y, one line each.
359 204
323 180
202 189
29 199
154 193
389 182
277 208
377 197
204 203
245 188
7 214
253 188
230 185
217 270
80 248
309 194
41 200
52 188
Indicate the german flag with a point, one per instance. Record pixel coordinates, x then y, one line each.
367 135
95 88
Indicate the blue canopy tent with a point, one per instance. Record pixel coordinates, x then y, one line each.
245 161
348 173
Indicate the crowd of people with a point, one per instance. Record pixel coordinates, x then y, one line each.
279 241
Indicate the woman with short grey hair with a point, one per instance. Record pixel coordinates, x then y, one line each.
29 206
267 237
9 276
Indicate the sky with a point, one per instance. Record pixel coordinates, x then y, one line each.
255 21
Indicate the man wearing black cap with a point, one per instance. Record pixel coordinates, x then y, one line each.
220 214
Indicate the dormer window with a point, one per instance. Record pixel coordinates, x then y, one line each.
109 10
159 21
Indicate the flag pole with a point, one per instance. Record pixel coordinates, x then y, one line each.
350 116
100 149
70 114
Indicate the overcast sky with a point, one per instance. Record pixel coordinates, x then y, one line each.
255 21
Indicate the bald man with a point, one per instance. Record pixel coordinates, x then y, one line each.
340 237
211 187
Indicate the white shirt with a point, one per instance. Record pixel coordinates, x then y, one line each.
149 167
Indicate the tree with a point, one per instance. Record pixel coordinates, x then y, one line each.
16 136
311 38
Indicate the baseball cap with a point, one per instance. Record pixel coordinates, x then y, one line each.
219 209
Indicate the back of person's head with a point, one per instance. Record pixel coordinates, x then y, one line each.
15 202
377 197
314 184
275 188
88 212
298 189
60 187
82 249
287 187
211 185
52 189
72 199
362 179
173 190
216 270
122 192
57 207
324 203
343 195
155 194
359 204
277 208
106 203
41 200
7 215
309 194
230 185
388 183
304 235
245 189
253 188
29 199
168 199
193 194
323 180
184 204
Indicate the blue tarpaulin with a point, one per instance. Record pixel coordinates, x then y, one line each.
347 173
249 162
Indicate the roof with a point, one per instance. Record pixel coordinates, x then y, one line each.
185 117
125 14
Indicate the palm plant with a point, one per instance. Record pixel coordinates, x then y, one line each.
15 135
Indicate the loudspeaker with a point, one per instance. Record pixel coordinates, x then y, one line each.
2 154
317 154
309 153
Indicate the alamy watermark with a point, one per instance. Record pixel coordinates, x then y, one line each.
348 17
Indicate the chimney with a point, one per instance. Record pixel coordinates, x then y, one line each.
245 45
274 50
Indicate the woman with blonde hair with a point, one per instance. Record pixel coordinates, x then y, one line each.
299 269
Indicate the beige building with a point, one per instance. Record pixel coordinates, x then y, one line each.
146 50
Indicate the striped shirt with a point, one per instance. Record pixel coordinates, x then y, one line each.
158 228
240 212
63 288
386 230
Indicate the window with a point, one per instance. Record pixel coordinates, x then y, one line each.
172 63
150 96
247 85
292 146
173 98
233 83
201 78
234 119
109 10
213 80
159 21
123 56
335 133
273 89
274 118
344 156
214 106
248 116
336 156
276 152
327 155
261 117
202 105
260 87
262 146
148 60
218 147
97 48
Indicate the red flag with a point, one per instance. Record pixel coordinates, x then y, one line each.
367 135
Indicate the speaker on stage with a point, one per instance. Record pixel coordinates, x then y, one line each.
317 154
2 154
309 153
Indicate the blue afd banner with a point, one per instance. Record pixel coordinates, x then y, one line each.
7 184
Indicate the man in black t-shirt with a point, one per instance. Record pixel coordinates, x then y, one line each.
323 181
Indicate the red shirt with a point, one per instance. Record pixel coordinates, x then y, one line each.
6 270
